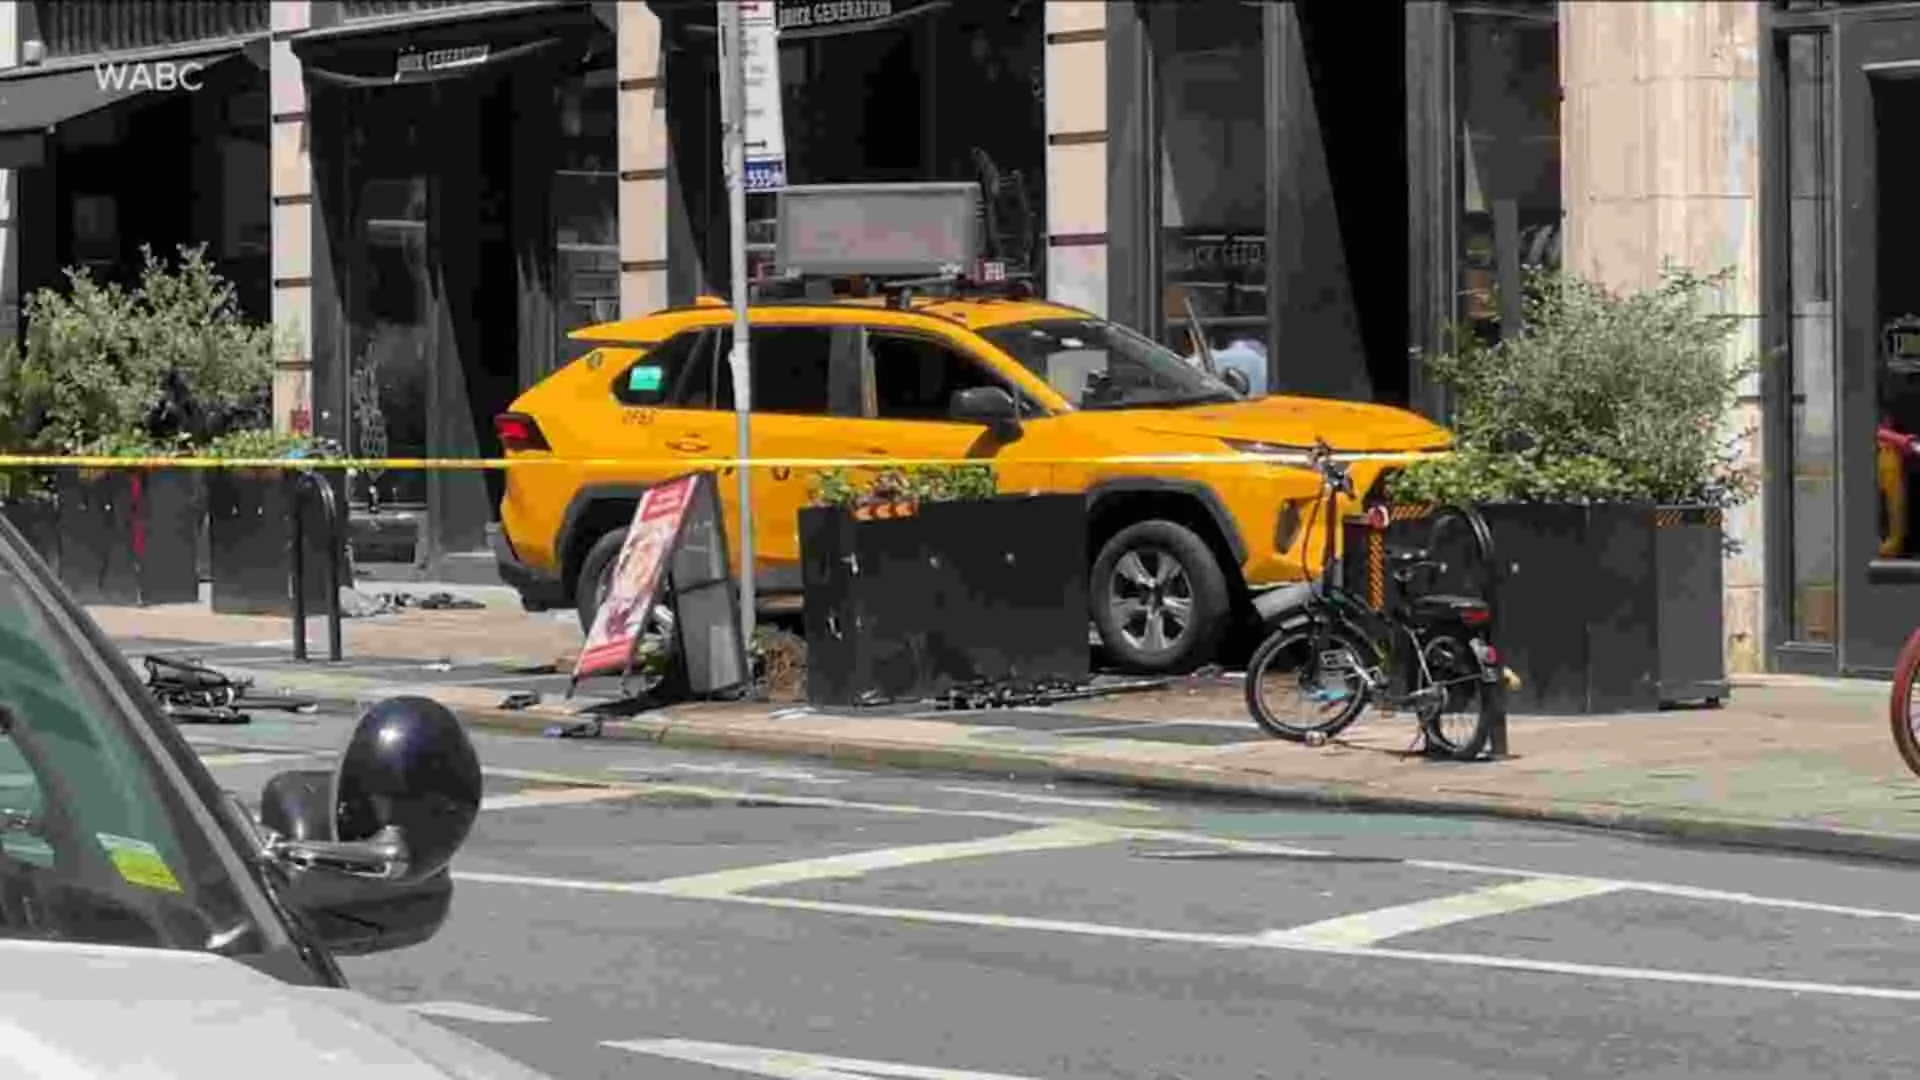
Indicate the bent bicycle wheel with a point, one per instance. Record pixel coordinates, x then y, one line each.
1297 687
1901 711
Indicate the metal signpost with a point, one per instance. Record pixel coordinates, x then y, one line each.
733 78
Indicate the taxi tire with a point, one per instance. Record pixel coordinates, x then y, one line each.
1212 600
586 591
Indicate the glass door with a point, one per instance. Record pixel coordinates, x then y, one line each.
1879 94
390 338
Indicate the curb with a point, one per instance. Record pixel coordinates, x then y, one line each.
1195 780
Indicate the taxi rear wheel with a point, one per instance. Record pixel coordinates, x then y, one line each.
1160 600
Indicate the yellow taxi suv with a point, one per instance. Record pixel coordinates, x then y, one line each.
1044 392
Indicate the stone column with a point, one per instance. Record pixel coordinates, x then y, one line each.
643 163
292 191
1661 160
1076 104
9 236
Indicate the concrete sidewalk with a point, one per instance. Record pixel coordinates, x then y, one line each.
1789 763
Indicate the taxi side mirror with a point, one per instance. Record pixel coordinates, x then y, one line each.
989 405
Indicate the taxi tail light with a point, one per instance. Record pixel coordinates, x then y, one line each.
518 431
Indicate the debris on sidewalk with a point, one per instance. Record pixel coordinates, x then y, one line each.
590 728
355 604
520 699
1014 695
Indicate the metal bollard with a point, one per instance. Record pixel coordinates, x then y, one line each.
330 516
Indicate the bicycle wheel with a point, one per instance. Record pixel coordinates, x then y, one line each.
1901 711
1475 704
1295 689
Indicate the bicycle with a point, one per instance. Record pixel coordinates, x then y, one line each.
1906 672
1430 653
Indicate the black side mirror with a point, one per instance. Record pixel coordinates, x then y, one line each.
1237 381
365 848
989 405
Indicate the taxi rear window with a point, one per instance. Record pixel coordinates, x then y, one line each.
655 376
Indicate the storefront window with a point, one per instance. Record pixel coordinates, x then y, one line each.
1812 505
1213 205
1896 174
1507 104
586 206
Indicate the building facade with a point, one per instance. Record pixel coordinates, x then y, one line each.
431 193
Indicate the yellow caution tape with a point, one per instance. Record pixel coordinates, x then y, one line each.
60 461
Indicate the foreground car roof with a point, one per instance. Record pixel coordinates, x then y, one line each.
95 1010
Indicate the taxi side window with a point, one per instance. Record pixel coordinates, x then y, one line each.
915 378
665 376
792 369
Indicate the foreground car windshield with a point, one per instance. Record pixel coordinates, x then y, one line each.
96 844
1101 365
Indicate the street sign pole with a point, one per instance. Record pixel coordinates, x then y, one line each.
733 107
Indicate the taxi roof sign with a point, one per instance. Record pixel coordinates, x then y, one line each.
882 230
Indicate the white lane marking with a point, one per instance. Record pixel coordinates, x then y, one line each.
756 773
1261 847
854 864
1373 927
826 802
217 761
478 1014
573 796
1685 892
1052 800
791 1065
1225 941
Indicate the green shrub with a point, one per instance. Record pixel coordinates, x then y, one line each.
923 483
161 368
1623 398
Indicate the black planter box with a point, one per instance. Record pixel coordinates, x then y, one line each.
957 594
1599 609
128 536
36 516
250 542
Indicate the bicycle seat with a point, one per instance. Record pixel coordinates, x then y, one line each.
1470 609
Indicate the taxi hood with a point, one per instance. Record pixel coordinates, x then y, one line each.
100 1011
1292 421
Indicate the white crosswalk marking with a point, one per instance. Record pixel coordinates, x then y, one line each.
792 1065
561 796
466 1010
727 882
1373 927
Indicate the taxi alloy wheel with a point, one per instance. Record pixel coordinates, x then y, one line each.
1159 597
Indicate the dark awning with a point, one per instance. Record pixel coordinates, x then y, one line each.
33 102
354 57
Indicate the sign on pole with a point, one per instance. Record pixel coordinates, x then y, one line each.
766 152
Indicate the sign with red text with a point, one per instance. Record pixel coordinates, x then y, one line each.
637 575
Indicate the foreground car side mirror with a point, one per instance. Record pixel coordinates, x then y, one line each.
989 405
1237 381
364 848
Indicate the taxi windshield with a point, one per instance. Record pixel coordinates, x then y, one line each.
1096 364
97 844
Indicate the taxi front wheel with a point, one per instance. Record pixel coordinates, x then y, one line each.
1159 597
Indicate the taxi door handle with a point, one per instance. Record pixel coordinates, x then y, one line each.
879 451
688 445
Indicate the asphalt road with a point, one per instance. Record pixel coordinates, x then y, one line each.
625 911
